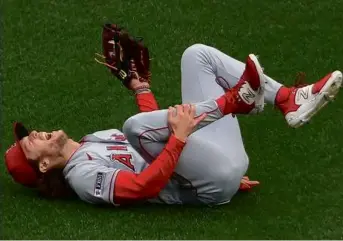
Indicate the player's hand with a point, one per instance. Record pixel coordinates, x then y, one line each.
135 83
182 120
247 184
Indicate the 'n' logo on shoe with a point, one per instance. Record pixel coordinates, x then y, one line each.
247 94
303 95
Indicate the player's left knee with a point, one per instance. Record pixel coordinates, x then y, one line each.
129 127
193 51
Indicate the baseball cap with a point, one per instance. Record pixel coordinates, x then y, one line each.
17 164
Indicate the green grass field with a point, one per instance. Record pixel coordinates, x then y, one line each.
50 81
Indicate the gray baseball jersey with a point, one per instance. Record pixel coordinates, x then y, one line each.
91 171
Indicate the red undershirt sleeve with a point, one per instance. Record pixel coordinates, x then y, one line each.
146 102
131 187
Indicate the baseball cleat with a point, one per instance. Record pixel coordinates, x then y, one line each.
300 104
248 94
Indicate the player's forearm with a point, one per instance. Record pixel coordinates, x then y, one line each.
149 183
146 102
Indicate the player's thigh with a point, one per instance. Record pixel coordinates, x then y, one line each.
208 171
210 166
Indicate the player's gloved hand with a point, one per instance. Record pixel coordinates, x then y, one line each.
120 50
247 184
182 120
136 83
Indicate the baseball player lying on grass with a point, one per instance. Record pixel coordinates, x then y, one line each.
187 154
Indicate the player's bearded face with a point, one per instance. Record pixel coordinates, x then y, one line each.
43 144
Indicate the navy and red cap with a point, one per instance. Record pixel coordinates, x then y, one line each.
16 162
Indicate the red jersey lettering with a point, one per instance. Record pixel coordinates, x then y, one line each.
123 158
118 137
116 148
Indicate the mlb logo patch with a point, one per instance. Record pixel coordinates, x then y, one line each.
99 182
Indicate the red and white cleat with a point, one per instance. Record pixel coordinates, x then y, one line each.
300 104
247 95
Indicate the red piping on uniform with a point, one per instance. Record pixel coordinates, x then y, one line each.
89 156
208 112
222 78
109 191
140 142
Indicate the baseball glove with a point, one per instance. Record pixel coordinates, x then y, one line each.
125 55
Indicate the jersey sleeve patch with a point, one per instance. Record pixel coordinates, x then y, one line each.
99 183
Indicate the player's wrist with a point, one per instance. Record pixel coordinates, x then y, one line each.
135 83
141 90
180 137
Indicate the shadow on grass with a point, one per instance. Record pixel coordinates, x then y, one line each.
239 202
145 217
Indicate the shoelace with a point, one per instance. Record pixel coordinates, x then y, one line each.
234 97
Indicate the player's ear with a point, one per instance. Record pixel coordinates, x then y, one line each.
44 164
